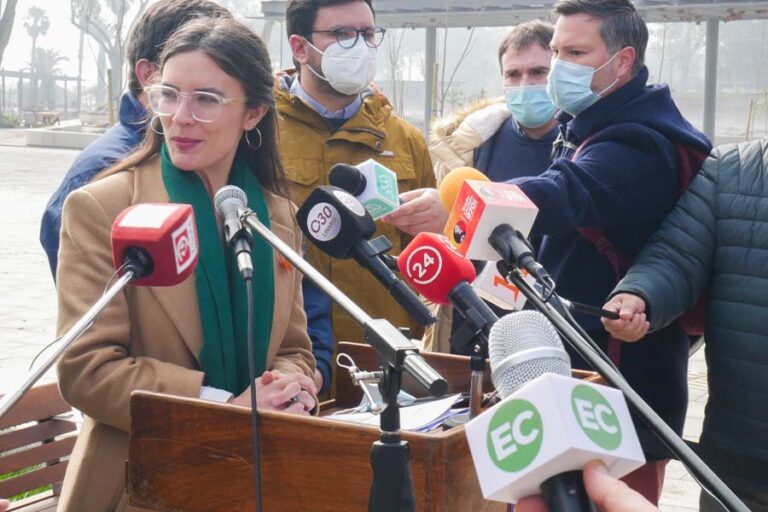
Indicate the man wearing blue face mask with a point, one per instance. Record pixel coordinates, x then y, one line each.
330 114
490 135
622 155
522 129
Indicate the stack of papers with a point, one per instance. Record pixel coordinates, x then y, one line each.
422 416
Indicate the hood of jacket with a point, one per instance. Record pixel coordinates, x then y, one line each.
639 103
448 124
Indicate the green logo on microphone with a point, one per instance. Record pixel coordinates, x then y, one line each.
515 434
596 417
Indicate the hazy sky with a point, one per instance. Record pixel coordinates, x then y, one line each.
62 35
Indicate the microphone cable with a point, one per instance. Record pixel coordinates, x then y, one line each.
254 412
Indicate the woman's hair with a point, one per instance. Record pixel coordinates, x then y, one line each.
241 54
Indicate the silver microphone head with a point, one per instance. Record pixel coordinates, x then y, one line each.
229 198
522 346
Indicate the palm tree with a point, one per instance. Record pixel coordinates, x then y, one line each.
47 61
37 24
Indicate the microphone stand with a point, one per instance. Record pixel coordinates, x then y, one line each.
392 486
9 400
478 318
696 467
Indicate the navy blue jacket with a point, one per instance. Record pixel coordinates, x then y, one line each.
529 157
117 142
624 180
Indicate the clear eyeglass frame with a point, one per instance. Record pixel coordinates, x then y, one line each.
205 106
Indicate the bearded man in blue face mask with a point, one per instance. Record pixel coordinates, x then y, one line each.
490 134
330 114
617 172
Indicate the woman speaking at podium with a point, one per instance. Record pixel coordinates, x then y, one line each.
214 124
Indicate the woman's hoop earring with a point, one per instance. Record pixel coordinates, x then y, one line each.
152 126
248 141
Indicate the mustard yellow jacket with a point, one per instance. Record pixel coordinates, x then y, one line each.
309 148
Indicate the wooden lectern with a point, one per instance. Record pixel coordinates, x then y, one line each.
192 455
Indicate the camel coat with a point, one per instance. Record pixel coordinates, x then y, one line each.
146 338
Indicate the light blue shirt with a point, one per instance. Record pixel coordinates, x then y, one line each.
347 112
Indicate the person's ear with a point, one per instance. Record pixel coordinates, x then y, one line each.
299 48
253 116
144 70
626 61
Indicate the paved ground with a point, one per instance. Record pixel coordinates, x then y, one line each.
28 303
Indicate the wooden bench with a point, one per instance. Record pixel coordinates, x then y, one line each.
36 438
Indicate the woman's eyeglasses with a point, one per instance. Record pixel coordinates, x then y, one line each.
204 106
347 36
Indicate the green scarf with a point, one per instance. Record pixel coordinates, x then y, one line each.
221 290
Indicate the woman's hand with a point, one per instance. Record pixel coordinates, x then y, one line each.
277 391
632 324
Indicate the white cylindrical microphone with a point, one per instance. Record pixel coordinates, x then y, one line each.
522 346
229 201
548 425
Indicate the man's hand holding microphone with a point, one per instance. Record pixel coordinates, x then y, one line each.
608 493
632 324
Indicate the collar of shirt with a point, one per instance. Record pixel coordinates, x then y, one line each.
347 112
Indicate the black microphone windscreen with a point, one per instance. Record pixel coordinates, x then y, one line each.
334 221
523 346
348 178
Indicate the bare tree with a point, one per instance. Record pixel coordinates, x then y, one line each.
445 86
6 25
105 22
396 66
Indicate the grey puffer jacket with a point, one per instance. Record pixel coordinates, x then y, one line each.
716 239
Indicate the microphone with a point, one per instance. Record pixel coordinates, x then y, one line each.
480 218
152 245
548 425
514 249
480 207
158 242
339 226
452 182
493 287
371 183
522 347
229 202
438 272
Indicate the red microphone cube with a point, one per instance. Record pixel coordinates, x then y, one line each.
165 234
433 267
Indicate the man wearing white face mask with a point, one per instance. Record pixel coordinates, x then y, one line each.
622 156
489 135
331 114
